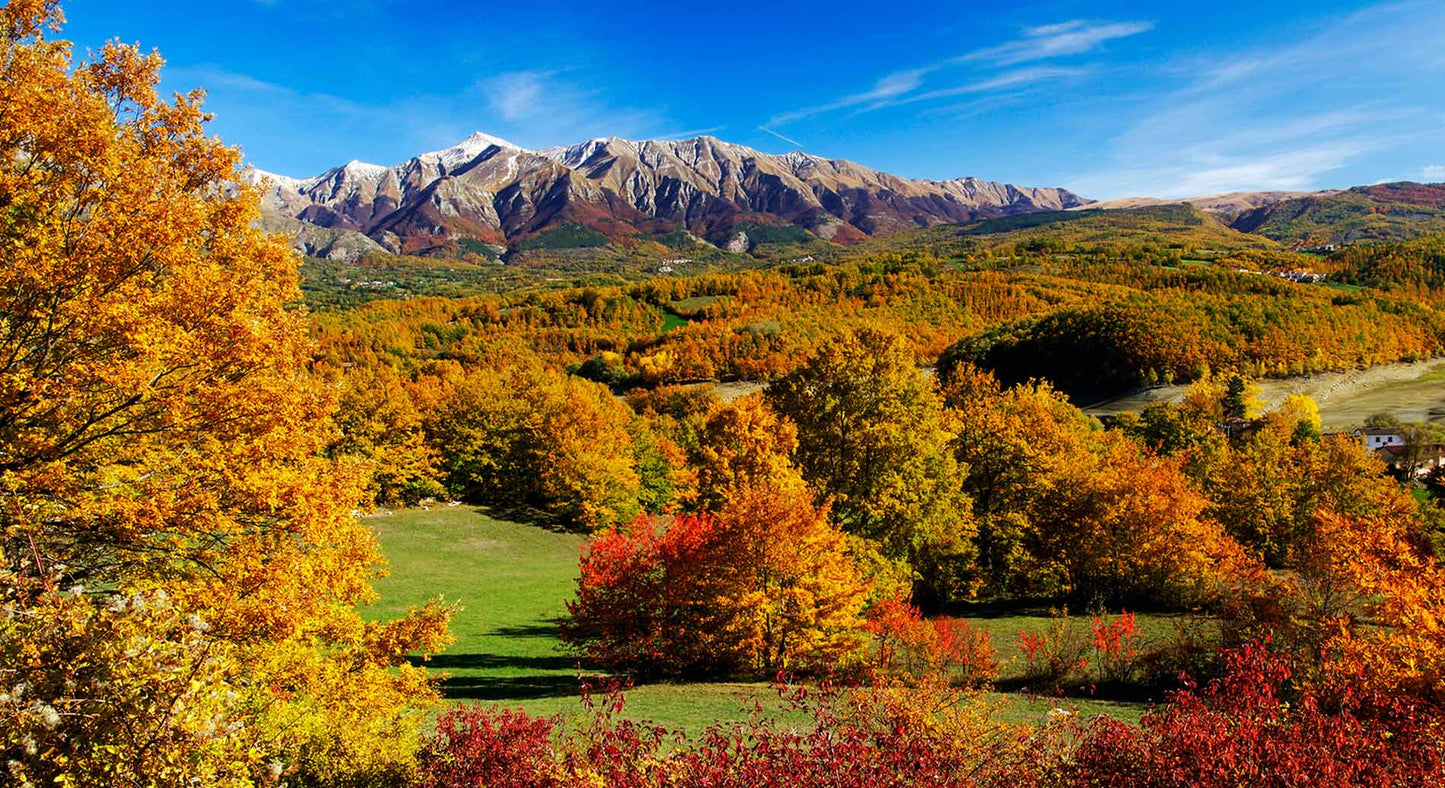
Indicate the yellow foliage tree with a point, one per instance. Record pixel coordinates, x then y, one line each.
744 444
529 435
381 424
873 440
160 435
794 599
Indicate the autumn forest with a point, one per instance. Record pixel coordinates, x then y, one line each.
864 482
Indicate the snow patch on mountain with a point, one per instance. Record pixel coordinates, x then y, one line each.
467 150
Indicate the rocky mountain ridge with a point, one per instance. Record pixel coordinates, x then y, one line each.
485 190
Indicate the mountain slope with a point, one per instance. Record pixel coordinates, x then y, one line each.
491 191
326 242
1383 212
1230 204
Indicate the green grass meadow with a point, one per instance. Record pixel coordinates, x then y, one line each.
513 580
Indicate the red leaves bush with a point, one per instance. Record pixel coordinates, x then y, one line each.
498 749
910 646
1116 646
636 606
870 738
764 585
1244 730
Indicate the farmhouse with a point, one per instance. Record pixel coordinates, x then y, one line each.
1376 438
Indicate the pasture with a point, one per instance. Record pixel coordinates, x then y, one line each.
513 581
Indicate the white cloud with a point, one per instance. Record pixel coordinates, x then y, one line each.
1038 43
1433 172
788 140
689 134
1283 117
548 107
1008 79
533 108
978 106
896 84
1074 37
1289 170
517 96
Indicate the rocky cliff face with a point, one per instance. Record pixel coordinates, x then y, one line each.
487 189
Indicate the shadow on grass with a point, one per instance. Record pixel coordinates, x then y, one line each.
499 662
1048 608
1117 692
525 514
539 630
1004 608
509 688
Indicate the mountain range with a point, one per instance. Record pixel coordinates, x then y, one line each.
486 194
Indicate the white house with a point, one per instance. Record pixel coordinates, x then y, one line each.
1379 437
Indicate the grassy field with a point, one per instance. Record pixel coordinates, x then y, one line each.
671 322
1412 392
513 581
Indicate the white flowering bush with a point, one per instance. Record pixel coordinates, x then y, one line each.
124 689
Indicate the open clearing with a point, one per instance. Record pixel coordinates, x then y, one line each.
1413 392
513 581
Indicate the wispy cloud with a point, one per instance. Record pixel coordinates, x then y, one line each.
1286 170
1045 42
1007 80
788 140
548 105
1074 37
519 95
1282 117
1433 171
531 107
889 87
977 106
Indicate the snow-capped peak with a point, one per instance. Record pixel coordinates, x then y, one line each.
258 177
468 149
363 169
575 155
797 159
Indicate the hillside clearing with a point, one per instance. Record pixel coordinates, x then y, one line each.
513 581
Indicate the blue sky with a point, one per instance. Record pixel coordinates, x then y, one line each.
1107 98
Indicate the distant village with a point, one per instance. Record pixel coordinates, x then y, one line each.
1404 451
1303 277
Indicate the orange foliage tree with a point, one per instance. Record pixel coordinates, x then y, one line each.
529 435
160 439
1389 627
741 445
1063 509
764 585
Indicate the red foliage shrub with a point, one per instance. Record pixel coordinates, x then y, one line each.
1054 656
1246 729
883 736
908 645
497 749
635 607
1116 646
1241 730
